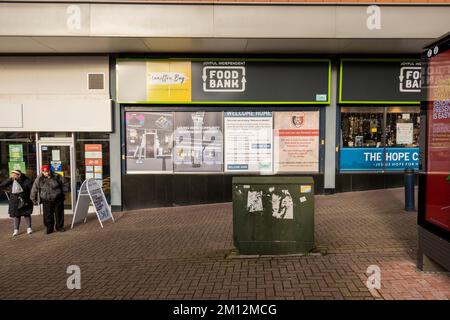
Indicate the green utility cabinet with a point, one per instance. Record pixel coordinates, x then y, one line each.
273 215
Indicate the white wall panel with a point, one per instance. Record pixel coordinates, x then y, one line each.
61 115
11 115
52 94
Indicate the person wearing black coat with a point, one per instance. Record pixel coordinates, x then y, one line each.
49 189
20 204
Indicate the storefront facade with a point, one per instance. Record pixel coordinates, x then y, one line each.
379 122
165 103
55 111
190 125
186 126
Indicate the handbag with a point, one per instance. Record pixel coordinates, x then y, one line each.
21 203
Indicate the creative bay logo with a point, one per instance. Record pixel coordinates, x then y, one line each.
164 78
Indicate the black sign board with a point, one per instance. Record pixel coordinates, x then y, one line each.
380 81
299 81
217 81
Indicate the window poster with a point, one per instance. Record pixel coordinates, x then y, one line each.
15 152
93 160
248 141
16 158
198 142
149 141
296 141
405 133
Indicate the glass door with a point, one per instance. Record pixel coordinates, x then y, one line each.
60 157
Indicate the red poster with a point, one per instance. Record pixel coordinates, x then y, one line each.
296 141
92 147
437 206
93 162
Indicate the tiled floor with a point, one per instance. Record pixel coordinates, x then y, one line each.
184 253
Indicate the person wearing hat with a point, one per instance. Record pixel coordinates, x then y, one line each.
20 204
49 189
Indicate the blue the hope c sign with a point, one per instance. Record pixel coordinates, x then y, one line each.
378 159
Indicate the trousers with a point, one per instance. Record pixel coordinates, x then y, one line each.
17 222
53 214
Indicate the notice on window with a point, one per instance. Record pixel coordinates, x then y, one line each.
149 141
405 132
296 141
56 155
16 158
93 160
15 152
198 142
248 141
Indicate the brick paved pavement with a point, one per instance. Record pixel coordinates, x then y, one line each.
184 253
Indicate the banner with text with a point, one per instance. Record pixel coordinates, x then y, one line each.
378 159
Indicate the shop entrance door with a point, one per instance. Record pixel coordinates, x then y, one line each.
58 153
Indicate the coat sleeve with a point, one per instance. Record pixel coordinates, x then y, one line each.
28 186
65 184
34 191
6 183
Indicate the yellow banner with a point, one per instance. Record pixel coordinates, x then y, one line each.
169 81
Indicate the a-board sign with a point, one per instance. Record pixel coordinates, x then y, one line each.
91 191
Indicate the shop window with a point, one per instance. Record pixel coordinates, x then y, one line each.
362 127
379 138
253 142
402 127
17 151
92 157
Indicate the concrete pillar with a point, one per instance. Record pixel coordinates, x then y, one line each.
115 146
330 133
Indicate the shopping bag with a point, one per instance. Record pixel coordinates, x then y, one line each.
16 188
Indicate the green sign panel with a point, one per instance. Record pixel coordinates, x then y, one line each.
15 152
17 165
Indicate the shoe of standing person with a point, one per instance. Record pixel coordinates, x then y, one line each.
16 232
48 231
29 231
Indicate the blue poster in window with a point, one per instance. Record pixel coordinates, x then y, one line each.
378 159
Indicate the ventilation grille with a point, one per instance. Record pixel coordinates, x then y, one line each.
96 81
